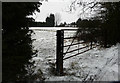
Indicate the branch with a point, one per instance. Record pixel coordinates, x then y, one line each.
90 8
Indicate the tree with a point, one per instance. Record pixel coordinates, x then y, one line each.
85 23
107 12
111 25
50 21
37 24
62 24
57 19
17 47
88 9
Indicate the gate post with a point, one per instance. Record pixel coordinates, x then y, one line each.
59 52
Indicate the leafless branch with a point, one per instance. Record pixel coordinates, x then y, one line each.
90 8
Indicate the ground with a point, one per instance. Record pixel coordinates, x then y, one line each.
98 64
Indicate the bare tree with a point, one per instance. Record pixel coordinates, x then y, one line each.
105 10
88 8
57 19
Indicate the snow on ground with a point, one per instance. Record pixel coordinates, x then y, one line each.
98 64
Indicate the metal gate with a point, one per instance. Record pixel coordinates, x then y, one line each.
60 54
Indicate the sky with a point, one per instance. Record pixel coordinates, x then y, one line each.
56 6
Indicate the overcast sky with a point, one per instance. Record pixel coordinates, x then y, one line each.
56 6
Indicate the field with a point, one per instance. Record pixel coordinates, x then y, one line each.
98 64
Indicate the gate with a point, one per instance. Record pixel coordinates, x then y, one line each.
60 54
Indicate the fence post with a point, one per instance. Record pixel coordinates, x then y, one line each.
59 51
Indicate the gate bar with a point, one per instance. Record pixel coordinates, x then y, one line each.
77 49
71 37
75 44
80 52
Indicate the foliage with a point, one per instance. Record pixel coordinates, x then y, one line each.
37 24
88 23
62 24
17 47
111 25
107 12
50 21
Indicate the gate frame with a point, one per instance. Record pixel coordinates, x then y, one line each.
60 49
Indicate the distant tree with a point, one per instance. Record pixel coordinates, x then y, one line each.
57 19
37 24
50 21
17 47
85 23
73 23
78 22
62 24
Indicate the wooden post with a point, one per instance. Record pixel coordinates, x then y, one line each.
59 49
